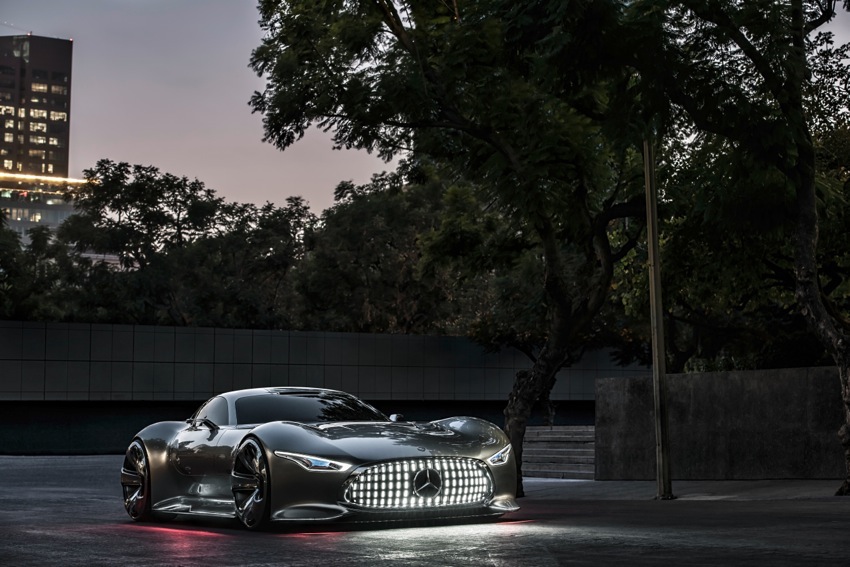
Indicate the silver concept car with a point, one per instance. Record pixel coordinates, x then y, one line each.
304 454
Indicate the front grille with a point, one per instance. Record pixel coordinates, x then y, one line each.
420 484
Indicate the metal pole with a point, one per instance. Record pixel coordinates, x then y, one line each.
659 366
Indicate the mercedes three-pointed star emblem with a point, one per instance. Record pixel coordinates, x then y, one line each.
427 483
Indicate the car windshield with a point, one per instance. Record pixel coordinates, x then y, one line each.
311 407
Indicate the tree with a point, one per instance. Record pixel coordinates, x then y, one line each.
185 257
740 71
38 281
136 212
513 97
364 272
10 257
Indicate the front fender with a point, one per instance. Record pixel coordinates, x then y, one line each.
156 438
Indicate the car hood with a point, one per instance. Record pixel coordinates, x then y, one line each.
374 441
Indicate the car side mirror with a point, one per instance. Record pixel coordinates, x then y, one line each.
397 417
206 423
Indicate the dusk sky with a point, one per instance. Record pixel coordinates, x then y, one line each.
167 83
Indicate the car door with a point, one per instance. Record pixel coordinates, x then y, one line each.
196 449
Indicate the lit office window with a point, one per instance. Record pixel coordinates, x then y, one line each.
39 88
49 168
8 137
7 164
38 139
38 126
38 153
37 113
9 123
5 109
63 116
58 89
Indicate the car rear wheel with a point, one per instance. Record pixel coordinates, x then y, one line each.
136 482
250 484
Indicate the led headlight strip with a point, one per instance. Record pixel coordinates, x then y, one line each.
501 457
421 483
312 463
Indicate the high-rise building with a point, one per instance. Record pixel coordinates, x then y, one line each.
35 104
35 116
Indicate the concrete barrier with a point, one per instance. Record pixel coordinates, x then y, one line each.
86 388
769 424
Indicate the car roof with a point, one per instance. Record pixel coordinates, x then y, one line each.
237 394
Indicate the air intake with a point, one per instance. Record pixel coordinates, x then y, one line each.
420 484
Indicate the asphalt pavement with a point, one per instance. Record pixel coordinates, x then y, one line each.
67 511
780 489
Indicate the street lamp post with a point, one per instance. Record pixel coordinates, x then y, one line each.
659 367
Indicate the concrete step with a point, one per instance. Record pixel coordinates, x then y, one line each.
572 459
578 475
554 441
536 428
559 434
554 445
559 452
580 467
568 452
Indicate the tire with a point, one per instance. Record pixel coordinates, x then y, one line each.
136 482
250 484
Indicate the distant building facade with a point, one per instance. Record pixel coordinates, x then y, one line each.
35 116
29 201
35 104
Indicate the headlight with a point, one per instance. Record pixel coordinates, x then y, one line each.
501 457
312 463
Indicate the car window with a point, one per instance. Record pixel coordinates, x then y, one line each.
310 407
215 410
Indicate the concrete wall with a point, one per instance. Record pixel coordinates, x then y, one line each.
54 361
72 389
727 425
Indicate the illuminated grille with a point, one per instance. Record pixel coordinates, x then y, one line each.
421 483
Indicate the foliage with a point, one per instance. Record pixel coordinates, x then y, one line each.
510 99
730 149
184 256
362 271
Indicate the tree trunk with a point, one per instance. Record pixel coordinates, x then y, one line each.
568 316
529 387
808 291
811 302
844 431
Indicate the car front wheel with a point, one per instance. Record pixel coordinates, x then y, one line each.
136 482
250 484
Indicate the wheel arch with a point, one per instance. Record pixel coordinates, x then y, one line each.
155 439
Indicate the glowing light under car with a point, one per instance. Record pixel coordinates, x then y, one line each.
452 481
